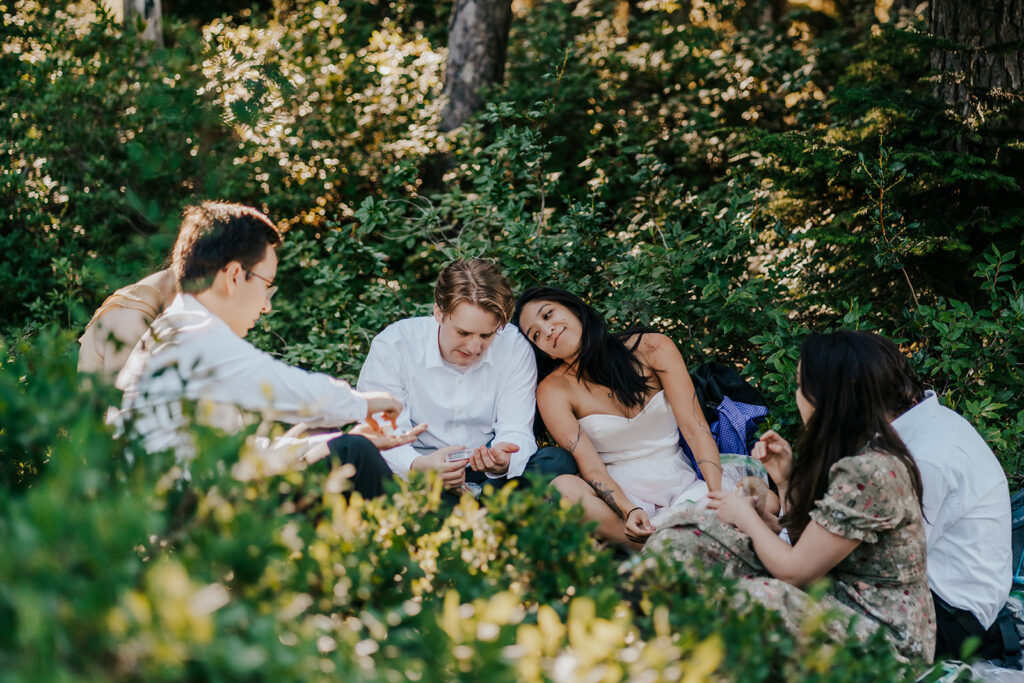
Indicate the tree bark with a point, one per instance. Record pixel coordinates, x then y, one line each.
128 11
477 42
986 54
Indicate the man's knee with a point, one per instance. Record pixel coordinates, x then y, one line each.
358 451
552 461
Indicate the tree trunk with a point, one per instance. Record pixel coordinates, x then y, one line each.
129 11
987 54
477 41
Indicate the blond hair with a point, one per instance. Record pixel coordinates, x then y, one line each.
474 281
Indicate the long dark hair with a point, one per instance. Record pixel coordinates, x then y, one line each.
846 376
604 357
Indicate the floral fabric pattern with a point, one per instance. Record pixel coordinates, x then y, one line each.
870 498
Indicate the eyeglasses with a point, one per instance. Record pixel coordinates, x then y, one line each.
271 290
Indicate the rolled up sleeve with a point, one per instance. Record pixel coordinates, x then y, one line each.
516 406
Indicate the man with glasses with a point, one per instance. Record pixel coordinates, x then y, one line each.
225 262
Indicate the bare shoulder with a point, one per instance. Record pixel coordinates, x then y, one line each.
556 386
652 345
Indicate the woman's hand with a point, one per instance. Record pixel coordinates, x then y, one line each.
638 525
765 502
776 455
733 508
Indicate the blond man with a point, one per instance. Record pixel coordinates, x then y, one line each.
469 377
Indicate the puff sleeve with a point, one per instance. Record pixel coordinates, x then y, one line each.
867 494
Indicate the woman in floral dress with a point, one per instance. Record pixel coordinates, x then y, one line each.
852 508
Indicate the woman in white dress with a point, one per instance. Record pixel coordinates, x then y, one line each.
617 402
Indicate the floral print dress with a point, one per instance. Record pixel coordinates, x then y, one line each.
870 498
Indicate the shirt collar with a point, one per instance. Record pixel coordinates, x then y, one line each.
432 353
925 408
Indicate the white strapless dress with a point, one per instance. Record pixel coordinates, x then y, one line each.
643 456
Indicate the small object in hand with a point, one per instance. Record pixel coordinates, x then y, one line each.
455 456
385 430
755 488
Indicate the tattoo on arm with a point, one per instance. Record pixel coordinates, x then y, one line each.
573 443
604 492
698 416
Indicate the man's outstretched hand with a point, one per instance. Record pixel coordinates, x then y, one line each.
385 441
493 460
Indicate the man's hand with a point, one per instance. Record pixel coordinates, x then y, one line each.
381 402
493 460
776 455
384 441
453 474
638 526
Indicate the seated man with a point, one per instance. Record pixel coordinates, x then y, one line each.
120 322
966 505
468 375
966 509
225 262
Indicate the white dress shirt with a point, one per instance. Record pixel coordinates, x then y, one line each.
189 353
492 400
966 509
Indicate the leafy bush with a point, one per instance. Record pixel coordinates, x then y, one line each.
117 569
730 182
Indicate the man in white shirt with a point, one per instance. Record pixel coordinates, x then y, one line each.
225 263
966 508
467 375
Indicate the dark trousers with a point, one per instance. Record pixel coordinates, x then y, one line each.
371 470
549 461
953 626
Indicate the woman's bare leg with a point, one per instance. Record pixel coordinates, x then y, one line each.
609 526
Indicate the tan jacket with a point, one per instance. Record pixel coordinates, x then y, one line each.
118 325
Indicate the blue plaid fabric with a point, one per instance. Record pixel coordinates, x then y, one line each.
733 430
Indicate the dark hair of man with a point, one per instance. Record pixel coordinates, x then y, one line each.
603 359
844 375
214 234
905 388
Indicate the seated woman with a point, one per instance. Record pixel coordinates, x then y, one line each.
852 508
617 403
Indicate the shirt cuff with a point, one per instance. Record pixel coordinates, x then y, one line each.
517 462
360 405
400 459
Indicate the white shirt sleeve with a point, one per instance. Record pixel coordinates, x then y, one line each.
516 406
382 371
253 380
937 500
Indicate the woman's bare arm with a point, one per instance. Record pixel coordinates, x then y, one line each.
555 404
660 355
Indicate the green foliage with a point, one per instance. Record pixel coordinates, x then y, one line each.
118 569
730 182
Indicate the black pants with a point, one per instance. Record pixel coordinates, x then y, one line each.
953 626
358 451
